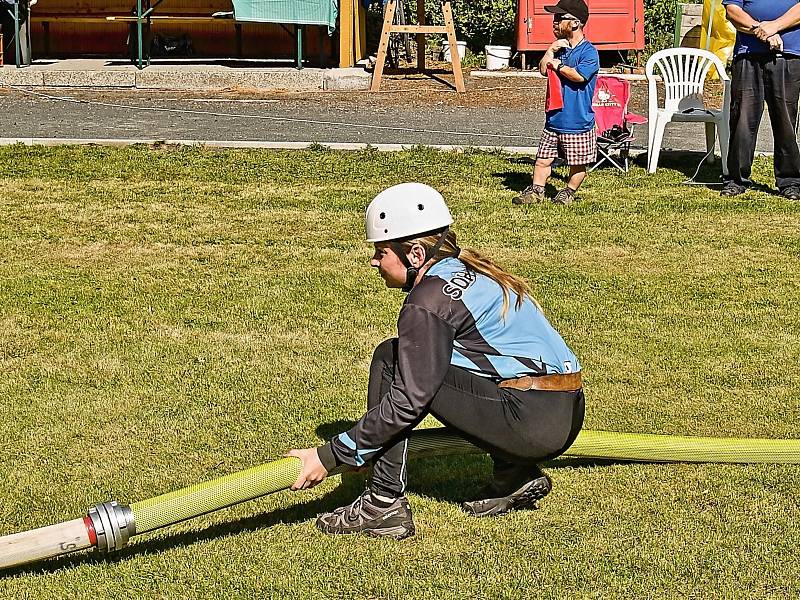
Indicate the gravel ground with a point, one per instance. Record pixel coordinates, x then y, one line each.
409 110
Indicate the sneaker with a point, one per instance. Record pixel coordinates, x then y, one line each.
365 516
525 496
565 196
791 193
731 188
532 194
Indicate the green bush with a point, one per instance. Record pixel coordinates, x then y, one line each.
659 24
481 22
478 22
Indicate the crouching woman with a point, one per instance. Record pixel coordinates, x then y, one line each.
473 349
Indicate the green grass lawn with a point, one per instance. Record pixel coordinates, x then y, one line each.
172 315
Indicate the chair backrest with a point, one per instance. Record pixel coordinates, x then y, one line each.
684 72
610 101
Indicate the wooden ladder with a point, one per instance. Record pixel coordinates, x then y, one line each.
421 29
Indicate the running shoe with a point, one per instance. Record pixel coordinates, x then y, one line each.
364 515
526 495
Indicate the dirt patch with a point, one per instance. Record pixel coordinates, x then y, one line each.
513 92
396 90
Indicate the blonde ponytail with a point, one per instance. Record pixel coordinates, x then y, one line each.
479 263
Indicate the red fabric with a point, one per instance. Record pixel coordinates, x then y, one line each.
554 100
635 119
610 103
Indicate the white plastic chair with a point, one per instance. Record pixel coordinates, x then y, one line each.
684 71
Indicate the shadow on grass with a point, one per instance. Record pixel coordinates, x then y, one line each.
689 164
685 162
514 180
447 478
517 181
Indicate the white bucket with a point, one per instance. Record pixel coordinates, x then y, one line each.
462 50
497 57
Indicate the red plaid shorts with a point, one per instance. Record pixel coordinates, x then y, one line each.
575 148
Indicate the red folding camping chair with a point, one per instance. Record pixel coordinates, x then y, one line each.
614 123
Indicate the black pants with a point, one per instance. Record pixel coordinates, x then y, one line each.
7 27
520 428
757 78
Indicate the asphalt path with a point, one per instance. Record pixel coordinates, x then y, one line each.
286 120
355 117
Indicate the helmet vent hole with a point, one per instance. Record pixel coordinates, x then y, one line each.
420 207
383 215
385 231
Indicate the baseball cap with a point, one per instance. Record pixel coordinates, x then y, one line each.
576 8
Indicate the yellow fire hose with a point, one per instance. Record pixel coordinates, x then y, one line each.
109 526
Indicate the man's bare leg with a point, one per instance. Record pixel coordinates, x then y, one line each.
535 192
577 173
542 170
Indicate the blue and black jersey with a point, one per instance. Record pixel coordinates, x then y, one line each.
452 318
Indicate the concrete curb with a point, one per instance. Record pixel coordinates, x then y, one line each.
101 74
344 80
524 150
30 141
259 145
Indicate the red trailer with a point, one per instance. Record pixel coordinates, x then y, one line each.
613 24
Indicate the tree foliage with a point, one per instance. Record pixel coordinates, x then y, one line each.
478 22
482 22
659 23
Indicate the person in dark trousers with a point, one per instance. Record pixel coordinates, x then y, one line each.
8 29
569 131
474 349
766 67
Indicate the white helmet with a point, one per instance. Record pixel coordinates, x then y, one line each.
406 210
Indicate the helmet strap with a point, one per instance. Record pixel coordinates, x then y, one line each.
412 272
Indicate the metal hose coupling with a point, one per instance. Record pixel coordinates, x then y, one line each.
113 525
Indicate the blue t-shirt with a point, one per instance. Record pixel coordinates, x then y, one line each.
765 10
577 115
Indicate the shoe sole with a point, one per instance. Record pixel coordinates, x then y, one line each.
527 498
540 487
734 191
398 532
395 533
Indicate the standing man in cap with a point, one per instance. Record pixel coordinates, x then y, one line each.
569 131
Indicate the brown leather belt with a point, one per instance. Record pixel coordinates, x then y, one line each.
569 382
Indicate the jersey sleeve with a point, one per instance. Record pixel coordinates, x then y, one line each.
588 64
425 347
